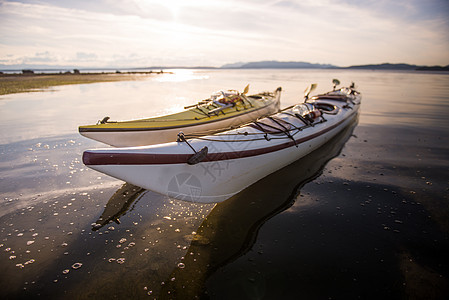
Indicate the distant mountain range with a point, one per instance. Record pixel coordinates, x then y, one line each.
406 67
305 65
271 64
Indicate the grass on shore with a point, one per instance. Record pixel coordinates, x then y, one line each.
18 83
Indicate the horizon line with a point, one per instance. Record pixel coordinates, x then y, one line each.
20 67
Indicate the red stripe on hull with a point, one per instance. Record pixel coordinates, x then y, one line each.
118 158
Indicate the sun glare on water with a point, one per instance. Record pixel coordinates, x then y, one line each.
180 75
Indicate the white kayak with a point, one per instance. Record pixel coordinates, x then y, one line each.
213 168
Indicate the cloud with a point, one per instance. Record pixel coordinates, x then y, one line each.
42 57
36 58
178 32
82 56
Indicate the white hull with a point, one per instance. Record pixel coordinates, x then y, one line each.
234 161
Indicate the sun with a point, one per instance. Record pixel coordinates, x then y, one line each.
174 6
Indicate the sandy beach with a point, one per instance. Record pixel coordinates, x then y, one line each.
21 83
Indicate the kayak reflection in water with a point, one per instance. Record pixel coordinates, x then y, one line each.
231 228
118 205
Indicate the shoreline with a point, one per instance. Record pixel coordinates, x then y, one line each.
36 82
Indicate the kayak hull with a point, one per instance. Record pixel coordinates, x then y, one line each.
233 163
210 182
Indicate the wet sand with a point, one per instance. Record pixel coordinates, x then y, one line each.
365 216
343 228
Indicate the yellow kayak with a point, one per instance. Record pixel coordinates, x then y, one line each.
222 111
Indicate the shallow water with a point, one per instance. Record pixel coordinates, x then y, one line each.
364 216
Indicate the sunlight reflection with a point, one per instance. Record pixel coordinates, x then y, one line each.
180 75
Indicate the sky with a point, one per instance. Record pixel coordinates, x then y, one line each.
143 33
